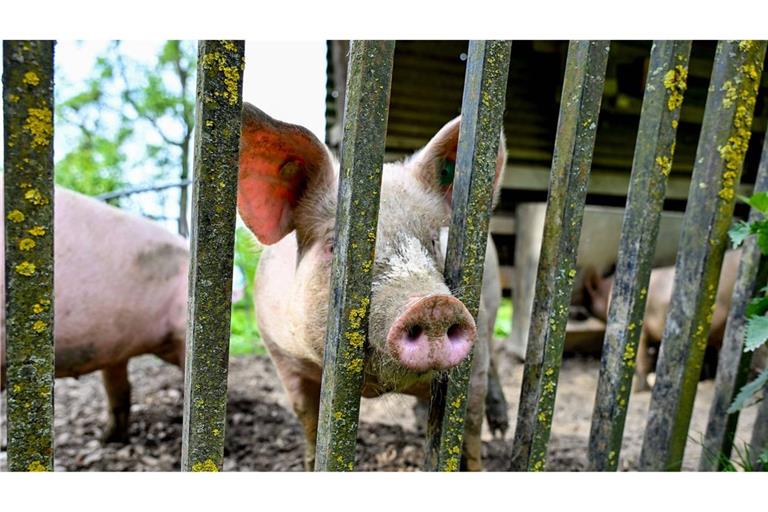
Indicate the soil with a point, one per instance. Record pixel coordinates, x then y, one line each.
263 434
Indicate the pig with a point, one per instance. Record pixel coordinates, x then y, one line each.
598 292
120 291
288 182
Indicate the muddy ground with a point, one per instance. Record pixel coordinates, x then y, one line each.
264 435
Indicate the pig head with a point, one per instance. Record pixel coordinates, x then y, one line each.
288 183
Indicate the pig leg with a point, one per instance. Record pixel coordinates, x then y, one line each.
495 404
304 394
478 385
119 397
644 364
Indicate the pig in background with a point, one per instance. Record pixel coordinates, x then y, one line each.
120 291
288 183
598 290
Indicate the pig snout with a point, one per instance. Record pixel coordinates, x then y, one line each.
434 333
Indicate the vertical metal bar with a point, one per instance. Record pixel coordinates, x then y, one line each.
759 442
654 151
362 157
28 214
723 143
733 362
217 148
482 112
571 163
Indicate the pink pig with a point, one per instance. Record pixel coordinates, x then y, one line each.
121 291
288 183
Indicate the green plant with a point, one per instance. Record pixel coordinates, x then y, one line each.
244 336
757 311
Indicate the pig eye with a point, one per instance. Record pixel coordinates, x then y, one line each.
329 246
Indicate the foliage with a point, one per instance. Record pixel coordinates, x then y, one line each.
245 337
757 325
503 327
132 123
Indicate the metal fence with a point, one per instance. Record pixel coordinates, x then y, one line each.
28 107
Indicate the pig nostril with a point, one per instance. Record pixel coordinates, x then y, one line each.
457 333
414 332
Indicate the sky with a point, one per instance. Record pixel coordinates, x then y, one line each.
284 79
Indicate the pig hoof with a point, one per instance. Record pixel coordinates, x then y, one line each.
114 435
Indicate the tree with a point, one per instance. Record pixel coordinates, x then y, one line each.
133 118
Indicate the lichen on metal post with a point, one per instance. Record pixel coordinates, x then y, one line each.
482 112
362 158
654 152
217 147
571 163
28 213
733 363
723 142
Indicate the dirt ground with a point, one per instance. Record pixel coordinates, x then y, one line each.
264 435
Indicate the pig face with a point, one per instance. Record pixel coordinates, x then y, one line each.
288 181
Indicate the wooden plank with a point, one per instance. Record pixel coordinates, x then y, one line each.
214 198
654 152
577 126
482 110
28 213
719 159
362 157
733 363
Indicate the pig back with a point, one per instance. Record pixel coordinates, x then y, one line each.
120 284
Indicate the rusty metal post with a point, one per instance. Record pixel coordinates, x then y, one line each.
482 112
571 163
28 214
725 133
654 151
214 197
362 158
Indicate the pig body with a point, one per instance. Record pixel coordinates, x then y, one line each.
287 196
121 290
660 287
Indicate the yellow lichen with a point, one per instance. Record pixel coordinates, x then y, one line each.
39 326
35 197
675 82
13 98
37 309
36 467
26 244
215 61
25 268
31 78
355 339
36 231
338 415
452 464
355 365
747 45
15 216
665 164
674 123
207 466
39 124
356 315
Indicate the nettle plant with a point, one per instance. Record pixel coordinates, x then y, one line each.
757 311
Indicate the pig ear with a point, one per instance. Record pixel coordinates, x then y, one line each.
279 162
435 163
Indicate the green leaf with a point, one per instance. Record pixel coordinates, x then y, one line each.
748 391
757 333
758 201
739 233
757 307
